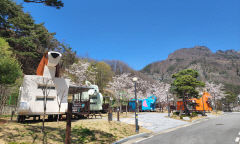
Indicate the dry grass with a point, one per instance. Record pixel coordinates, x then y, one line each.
191 118
83 131
123 115
217 113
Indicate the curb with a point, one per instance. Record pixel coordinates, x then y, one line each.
132 137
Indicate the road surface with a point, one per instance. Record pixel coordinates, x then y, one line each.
155 122
222 130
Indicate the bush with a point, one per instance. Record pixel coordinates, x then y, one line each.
176 113
183 115
194 114
10 70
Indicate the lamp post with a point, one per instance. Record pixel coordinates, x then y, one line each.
168 104
136 105
118 107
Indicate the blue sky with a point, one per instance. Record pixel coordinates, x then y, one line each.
139 32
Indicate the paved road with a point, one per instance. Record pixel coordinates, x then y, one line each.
221 130
155 122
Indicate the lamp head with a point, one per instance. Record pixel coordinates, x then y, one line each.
135 79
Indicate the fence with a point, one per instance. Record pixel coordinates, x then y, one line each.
7 110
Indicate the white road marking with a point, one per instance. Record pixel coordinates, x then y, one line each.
140 140
239 133
237 139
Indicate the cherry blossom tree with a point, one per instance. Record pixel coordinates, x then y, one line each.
160 90
82 71
123 83
216 91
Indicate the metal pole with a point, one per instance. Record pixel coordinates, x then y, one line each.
168 106
68 125
118 109
110 111
136 114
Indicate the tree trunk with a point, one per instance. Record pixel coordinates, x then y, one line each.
43 121
3 99
185 106
215 104
58 114
180 114
121 108
126 109
160 106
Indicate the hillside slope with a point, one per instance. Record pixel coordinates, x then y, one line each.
221 67
119 67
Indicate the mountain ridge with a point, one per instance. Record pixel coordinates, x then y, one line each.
219 67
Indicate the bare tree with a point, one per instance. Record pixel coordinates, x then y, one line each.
45 87
60 96
3 97
5 92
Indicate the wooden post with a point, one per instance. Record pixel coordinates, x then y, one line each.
110 110
109 114
68 125
12 115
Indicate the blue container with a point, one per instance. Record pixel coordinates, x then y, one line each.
148 104
132 104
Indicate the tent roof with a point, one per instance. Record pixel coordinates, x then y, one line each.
74 89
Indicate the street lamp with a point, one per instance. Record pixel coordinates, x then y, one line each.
118 107
136 105
168 103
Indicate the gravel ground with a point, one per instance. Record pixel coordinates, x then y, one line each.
155 122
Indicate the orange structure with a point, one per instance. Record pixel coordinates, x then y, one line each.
43 62
201 104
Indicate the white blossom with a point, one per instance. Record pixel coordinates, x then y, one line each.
215 90
144 88
82 71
